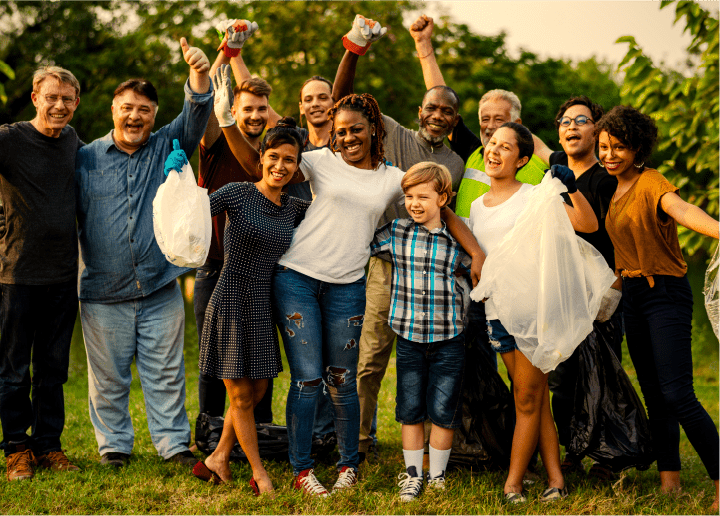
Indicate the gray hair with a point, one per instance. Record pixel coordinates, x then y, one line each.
61 74
507 96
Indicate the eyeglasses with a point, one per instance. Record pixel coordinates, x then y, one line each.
52 99
579 120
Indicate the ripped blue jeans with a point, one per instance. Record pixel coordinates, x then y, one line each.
320 325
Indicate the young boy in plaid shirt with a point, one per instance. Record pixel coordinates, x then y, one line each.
426 311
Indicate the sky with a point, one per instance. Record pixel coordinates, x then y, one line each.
577 29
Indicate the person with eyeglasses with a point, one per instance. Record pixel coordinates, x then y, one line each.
575 122
38 274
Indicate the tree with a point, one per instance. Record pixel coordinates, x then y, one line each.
686 111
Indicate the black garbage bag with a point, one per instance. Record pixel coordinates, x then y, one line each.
484 438
609 423
272 439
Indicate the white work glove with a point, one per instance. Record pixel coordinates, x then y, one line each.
234 35
364 32
223 96
609 304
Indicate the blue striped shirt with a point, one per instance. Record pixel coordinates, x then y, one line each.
428 301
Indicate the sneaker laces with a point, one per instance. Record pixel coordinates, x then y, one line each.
409 485
347 478
21 462
312 485
437 482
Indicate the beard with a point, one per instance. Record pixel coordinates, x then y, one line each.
432 140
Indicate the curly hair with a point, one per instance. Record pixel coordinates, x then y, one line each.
633 128
596 110
367 106
285 131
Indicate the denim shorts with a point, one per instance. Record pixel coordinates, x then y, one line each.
429 381
500 340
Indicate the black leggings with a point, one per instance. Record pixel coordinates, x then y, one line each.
658 322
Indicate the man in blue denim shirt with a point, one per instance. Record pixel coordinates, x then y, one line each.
131 304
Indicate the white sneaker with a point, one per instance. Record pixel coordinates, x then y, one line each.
347 478
410 487
437 483
308 483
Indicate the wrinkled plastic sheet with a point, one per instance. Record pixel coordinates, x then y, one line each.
712 291
609 423
181 219
484 438
547 284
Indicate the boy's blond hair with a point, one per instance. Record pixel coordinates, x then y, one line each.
429 172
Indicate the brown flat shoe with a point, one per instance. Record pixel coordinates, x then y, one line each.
56 461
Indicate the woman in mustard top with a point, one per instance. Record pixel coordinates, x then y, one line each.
657 301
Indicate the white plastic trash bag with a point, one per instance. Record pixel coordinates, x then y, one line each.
712 290
181 219
546 282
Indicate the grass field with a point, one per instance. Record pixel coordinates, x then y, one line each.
150 486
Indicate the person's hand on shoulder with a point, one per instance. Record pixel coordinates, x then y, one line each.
364 32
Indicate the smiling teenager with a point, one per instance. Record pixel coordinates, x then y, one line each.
492 216
239 342
657 301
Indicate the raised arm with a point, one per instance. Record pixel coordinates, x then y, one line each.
199 67
689 215
246 154
212 131
541 150
466 239
363 33
421 31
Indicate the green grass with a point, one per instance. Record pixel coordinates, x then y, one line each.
150 486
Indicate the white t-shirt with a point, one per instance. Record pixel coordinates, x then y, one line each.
490 225
332 243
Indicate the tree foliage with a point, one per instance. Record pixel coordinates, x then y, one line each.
686 110
104 43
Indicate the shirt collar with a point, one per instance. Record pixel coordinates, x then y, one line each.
441 230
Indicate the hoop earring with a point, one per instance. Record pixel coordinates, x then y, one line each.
641 165
601 164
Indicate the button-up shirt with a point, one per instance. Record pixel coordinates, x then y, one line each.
120 258
428 301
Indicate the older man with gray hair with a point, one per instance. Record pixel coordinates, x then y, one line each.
38 274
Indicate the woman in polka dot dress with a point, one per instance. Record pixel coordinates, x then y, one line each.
239 342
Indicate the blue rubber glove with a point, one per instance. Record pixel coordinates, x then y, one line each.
566 177
176 159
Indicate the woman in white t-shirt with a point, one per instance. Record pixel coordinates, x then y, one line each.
319 284
492 215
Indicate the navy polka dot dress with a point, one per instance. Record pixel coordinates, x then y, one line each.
239 338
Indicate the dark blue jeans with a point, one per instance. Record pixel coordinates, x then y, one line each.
429 381
36 326
211 390
320 324
658 323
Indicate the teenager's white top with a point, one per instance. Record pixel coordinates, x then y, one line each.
332 244
490 225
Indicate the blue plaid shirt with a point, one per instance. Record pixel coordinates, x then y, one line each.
428 301
115 190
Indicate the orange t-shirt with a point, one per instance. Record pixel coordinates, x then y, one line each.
645 243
